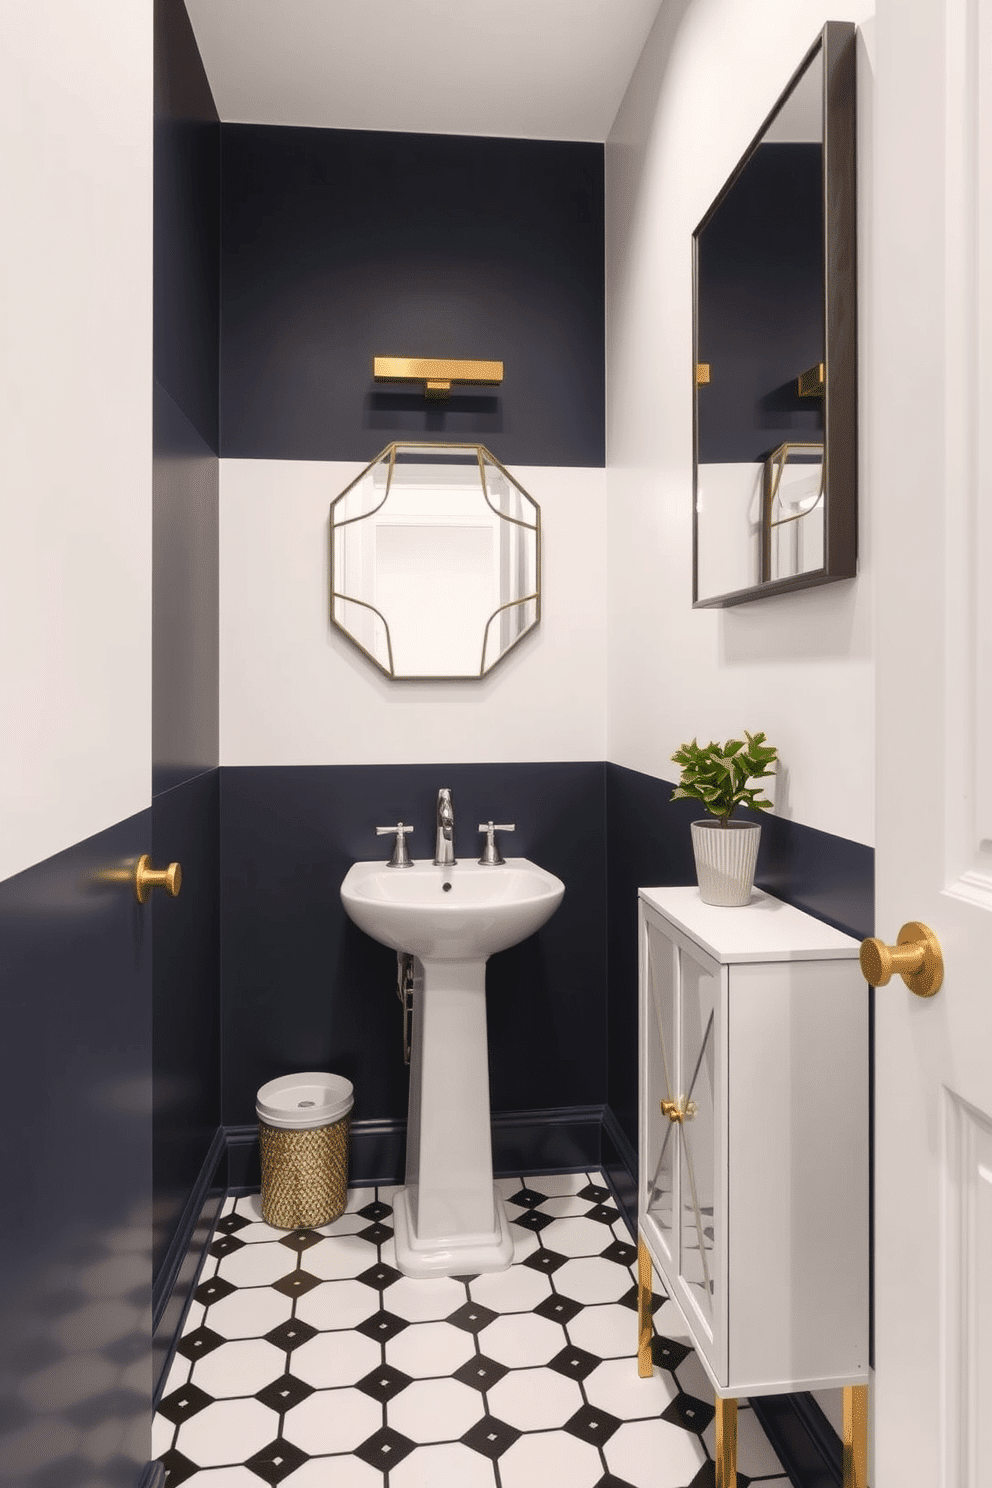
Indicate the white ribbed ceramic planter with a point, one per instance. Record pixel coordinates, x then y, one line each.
725 860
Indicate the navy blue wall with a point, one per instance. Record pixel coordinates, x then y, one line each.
760 306
186 981
303 988
186 223
649 844
75 1069
185 783
339 245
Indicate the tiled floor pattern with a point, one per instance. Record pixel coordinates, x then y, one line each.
308 1361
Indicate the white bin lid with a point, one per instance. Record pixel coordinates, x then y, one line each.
295 1102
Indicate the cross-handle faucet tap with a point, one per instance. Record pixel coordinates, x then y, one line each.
401 853
491 855
444 852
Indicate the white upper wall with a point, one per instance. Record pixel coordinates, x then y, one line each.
799 666
75 422
295 691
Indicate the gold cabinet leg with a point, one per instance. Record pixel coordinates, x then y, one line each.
855 1436
645 1363
726 1443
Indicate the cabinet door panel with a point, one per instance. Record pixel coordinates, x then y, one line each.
659 1145
699 1009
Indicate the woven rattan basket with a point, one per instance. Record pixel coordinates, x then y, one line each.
304 1174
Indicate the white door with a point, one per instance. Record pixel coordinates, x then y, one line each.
929 422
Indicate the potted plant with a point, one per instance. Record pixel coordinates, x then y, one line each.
717 776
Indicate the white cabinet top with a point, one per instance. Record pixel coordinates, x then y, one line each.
763 930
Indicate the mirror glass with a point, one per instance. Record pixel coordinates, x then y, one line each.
435 561
774 470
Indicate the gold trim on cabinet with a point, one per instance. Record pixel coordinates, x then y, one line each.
645 1359
726 1443
436 373
916 956
855 1436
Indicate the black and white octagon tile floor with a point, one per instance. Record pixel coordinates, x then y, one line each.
308 1361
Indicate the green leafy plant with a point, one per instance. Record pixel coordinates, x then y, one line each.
717 775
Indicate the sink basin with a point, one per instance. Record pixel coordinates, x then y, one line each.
459 913
449 1219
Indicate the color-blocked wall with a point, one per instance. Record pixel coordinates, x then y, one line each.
336 247
75 694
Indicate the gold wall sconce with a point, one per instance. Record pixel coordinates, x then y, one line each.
812 382
437 374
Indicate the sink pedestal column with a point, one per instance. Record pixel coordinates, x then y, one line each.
449 1219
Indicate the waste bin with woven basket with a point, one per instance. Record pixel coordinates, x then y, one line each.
303 1125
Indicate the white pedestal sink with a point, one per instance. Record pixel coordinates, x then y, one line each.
449 1219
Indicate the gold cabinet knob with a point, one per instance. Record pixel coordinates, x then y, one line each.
916 957
147 878
676 1111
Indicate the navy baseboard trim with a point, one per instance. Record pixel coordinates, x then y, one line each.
546 1141
177 1277
807 1445
619 1159
166 1279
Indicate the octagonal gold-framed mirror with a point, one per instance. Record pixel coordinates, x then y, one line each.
435 561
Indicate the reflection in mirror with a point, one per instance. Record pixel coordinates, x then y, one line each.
435 561
775 396
792 511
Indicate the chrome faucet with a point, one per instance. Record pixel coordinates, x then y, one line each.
444 851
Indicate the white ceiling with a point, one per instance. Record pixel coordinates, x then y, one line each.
529 69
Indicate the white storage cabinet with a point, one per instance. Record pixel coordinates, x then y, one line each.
753 1185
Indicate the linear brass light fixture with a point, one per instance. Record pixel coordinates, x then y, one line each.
436 373
810 384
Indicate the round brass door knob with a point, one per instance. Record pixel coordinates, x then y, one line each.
147 878
916 957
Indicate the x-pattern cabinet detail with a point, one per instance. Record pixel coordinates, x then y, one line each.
753 1142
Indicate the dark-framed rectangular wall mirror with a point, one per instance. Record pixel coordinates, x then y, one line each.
775 462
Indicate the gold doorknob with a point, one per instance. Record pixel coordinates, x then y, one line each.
147 878
916 956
